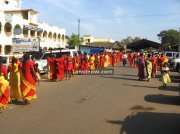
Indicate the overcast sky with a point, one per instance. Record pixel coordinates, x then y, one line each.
114 19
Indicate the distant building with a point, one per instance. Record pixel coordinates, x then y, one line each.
22 24
91 39
145 45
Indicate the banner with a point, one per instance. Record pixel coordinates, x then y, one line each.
27 27
26 44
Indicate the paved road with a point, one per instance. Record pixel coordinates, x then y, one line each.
114 104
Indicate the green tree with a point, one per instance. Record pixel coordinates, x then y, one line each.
129 39
169 37
74 40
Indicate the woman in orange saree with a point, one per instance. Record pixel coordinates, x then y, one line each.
4 87
155 65
28 80
163 59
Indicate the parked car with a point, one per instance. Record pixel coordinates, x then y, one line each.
176 62
171 57
43 60
7 59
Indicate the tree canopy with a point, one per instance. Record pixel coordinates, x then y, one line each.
169 37
130 39
74 40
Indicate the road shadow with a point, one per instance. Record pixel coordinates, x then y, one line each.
149 123
175 79
163 99
140 86
170 88
17 102
121 66
129 75
120 78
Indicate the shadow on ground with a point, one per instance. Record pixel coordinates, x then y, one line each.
121 66
175 79
163 99
170 88
120 78
149 123
140 86
130 75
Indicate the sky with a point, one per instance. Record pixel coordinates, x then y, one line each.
115 19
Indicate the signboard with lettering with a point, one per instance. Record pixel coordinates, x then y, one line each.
26 44
27 27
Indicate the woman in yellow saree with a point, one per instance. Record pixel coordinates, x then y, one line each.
91 61
149 67
106 60
15 80
4 87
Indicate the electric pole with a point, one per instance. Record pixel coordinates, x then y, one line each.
79 21
179 39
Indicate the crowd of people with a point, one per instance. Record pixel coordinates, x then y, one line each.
21 82
151 63
24 75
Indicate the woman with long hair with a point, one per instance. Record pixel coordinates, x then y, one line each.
4 86
28 80
15 81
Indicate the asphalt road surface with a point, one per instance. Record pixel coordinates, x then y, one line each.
109 104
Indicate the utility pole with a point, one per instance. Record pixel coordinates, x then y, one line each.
79 21
179 39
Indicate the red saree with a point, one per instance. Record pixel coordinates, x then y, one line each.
60 75
28 81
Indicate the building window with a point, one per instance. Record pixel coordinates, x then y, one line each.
0 27
0 49
25 33
8 49
8 29
6 2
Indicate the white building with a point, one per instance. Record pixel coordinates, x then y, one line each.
16 22
92 39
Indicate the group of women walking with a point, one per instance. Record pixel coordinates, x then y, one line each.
66 66
150 63
21 84
23 75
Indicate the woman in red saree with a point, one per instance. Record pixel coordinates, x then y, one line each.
130 59
60 62
28 80
102 60
114 59
76 63
69 66
4 87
